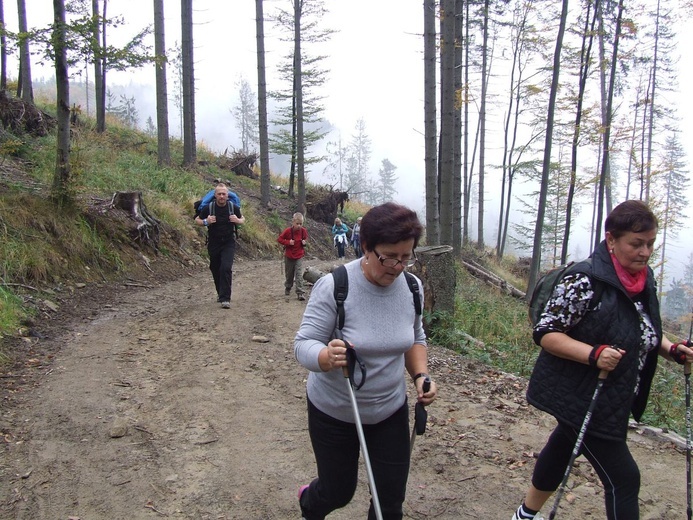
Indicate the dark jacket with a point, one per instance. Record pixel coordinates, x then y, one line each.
564 388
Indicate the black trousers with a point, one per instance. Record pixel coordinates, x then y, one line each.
611 460
336 449
221 256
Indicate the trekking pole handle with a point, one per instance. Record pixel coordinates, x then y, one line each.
603 374
426 384
687 369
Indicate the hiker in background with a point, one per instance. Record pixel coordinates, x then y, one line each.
221 219
382 324
356 238
294 240
621 334
339 235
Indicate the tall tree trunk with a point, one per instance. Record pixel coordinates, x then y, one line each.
3 49
298 93
482 123
262 105
587 39
162 132
466 175
189 142
430 126
606 143
650 123
61 180
604 95
27 90
447 117
546 164
457 136
99 86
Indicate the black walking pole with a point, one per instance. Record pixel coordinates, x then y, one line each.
687 376
578 443
420 417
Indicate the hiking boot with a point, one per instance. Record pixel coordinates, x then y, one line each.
301 298
225 305
287 292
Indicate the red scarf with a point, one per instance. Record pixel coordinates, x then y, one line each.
632 283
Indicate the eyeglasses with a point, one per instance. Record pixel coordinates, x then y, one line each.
394 262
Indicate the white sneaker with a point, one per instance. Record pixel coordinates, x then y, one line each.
538 516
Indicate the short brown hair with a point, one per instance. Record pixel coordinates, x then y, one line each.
632 215
389 223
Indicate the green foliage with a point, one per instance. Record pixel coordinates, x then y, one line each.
498 321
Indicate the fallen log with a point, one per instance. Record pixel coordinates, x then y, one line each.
494 280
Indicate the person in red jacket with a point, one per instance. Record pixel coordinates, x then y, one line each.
294 240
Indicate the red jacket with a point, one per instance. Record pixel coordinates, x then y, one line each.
297 250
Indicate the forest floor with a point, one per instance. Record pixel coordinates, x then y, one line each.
143 400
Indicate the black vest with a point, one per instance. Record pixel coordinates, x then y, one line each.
564 388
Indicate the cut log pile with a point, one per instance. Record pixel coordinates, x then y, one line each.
239 163
20 117
323 203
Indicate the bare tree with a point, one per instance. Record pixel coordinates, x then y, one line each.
546 165
298 96
162 132
3 49
606 141
262 104
430 127
24 86
447 119
188 65
61 180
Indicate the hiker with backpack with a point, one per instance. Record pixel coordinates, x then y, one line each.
603 318
339 236
294 240
356 238
221 217
381 318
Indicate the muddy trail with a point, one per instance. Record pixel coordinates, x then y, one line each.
148 401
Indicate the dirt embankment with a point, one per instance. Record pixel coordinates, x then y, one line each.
152 402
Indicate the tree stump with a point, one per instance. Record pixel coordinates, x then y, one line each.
147 228
436 268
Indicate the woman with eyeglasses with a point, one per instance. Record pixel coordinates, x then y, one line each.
387 334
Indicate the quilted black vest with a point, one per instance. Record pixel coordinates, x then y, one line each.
564 388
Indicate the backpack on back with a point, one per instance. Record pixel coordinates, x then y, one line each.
209 197
545 285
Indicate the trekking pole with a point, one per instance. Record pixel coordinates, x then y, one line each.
362 438
420 417
687 376
578 443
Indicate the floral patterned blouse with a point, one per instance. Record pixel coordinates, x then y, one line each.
570 302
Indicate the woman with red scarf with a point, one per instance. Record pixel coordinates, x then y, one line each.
604 315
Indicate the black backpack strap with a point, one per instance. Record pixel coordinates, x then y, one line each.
341 289
414 288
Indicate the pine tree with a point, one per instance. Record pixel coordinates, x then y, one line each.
387 181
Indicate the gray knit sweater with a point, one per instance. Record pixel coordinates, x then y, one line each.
381 323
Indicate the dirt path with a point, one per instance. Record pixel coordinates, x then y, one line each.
215 424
